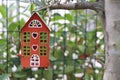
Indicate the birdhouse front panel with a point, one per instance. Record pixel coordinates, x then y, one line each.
35 43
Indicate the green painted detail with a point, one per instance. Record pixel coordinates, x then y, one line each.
26 36
43 37
26 50
43 50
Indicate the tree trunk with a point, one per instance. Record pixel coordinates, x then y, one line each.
112 65
111 31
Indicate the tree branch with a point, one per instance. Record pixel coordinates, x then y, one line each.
75 6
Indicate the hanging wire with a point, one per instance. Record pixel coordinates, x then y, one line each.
7 32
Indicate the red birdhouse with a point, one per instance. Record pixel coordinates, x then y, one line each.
35 43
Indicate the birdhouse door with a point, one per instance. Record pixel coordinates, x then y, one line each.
35 61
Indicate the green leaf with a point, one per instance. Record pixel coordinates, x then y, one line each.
3 10
2 43
52 58
48 74
4 76
12 26
69 68
57 17
59 54
19 74
87 77
69 17
52 40
2 67
15 61
22 23
32 7
11 18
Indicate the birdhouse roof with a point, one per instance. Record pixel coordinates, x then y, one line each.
34 17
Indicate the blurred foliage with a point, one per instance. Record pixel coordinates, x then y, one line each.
77 50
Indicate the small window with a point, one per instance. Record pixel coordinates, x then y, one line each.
35 24
43 50
26 50
26 36
43 37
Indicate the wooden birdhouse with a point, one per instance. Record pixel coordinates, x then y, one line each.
35 43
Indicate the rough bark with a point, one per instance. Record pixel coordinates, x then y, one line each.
112 65
75 6
97 6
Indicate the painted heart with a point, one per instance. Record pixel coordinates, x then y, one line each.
34 47
34 35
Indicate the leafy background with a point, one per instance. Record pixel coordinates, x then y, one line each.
77 42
